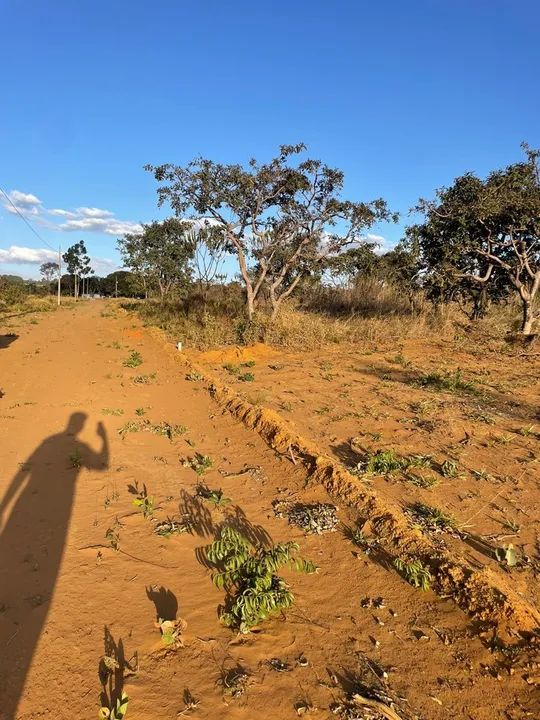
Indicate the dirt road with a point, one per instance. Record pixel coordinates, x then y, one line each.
83 575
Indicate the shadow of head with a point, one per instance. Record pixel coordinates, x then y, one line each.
165 602
76 423
6 340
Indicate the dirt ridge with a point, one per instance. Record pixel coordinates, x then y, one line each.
484 595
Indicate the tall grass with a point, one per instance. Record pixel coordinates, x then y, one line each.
368 313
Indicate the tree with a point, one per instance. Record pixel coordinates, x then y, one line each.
78 264
345 267
486 234
208 258
280 219
49 270
160 254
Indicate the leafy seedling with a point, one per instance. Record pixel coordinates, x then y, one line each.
432 517
134 360
415 572
449 382
117 712
246 377
144 502
199 462
214 496
249 574
449 469
171 631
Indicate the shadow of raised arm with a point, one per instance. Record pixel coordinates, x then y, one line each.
98 460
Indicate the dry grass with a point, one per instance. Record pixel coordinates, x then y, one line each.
366 314
29 304
295 328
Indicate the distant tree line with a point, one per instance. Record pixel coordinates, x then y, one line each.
286 226
283 228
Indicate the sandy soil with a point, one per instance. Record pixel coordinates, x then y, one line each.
67 598
356 402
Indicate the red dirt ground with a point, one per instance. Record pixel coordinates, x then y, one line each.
67 598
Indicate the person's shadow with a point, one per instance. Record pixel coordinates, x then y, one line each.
34 519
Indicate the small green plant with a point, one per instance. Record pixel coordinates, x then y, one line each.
529 431
246 377
199 462
234 681
450 469
415 572
214 496
75 459
322 410
419 461
113 536
171 526
383 462
164 429
357 537
401 360
144 502
140 411
249 574
118 711
432 517
134 360
449 381
232 369
194 376
421 481
144 379
112 411
116 345
482 474
171 631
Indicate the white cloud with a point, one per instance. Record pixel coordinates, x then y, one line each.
26 255
94 212
109 226
62 213
104 266
24 202
81 219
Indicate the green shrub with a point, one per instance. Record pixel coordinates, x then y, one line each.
250 575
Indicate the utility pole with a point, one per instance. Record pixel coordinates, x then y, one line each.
59 271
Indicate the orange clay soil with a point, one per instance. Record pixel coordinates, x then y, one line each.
353 403
67 598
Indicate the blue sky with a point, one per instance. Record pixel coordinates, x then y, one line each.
402 96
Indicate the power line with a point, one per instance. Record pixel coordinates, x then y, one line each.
10 201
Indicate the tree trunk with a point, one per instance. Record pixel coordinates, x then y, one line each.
250 302
528 317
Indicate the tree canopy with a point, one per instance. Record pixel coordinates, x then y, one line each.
280 219
485 233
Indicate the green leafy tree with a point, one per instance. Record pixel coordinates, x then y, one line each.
486 234
78 264
280 219
49 270
160 255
